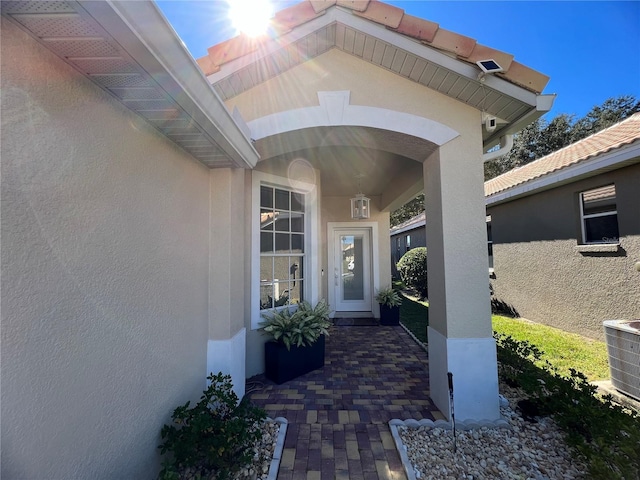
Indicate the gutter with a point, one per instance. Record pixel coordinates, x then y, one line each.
506 144
144 33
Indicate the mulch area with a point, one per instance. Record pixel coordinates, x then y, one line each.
338 415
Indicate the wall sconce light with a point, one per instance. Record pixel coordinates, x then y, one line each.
360 204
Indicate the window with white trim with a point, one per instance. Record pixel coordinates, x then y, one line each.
408 243
282 241
599 217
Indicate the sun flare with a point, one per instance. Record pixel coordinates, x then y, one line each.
250 17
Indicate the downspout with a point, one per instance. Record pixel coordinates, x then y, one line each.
506 144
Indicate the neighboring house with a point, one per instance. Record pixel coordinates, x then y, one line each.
150 213
566 233
405 236
412 233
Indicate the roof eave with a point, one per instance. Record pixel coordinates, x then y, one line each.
540 104
543 104
622 156
142 30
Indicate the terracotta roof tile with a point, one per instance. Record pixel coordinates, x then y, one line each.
207 66
355 5
382 13
525 77
481 52
322 5
417 28
296 15
453 42
616 136
231 49
393 18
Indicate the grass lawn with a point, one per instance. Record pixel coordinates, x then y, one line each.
563 350
415 316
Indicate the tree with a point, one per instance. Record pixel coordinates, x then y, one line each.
409 210
612 111
541 137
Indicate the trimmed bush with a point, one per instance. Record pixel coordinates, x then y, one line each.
213 439
413 270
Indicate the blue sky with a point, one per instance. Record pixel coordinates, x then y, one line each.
591 50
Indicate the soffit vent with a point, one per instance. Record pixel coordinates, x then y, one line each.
67 30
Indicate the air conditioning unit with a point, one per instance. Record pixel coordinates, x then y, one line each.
623 346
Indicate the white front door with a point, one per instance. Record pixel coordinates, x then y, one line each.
352 270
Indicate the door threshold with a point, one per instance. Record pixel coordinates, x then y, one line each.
353 315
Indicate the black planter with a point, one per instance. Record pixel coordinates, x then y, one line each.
389 315
282 365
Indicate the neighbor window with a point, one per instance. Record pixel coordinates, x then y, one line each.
408 243
599 215
282 259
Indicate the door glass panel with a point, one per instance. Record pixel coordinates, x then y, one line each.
352 268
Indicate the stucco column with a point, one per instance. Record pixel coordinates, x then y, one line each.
459 333
227 335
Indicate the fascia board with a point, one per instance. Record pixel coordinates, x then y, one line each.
543 106
432 55
382 33
584 169
142 30
408 228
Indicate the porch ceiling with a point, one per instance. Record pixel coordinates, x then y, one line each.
130 51
341 154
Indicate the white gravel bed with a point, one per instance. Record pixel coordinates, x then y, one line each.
263 454
525 451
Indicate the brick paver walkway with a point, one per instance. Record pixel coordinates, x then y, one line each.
338 415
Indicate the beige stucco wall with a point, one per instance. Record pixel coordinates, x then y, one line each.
105 275
337 70
540 273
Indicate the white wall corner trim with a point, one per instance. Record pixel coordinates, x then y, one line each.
228 357
473 363
335 110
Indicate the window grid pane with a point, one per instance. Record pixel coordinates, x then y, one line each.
281 235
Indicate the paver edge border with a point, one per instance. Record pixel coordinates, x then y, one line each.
412 335
401 449
277 451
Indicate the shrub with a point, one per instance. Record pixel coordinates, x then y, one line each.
215 437
303 327
606 435
413 270
389 296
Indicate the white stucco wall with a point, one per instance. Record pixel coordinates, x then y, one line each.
105 234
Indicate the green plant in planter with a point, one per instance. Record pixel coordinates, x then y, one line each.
215 437
302 327
389 297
